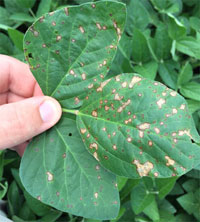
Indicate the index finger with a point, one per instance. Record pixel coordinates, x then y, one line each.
15 76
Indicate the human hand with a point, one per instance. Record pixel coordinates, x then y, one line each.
24 110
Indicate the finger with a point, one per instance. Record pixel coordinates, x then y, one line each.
25 119
21 148
16 77
9 97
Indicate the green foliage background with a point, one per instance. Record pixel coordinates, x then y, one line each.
161 42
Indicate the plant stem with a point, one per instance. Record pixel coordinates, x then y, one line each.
32 13
73 111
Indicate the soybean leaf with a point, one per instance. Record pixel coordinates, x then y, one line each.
162 43
17 38
195 23
167 6
134 19
6 46
189 202
44 7
185 74
193 105
166 206
165 185
4 17
140 50
191 90
189 45
26 213
118 126
191 185
168 73
26 3
176 29
121 182
147 70
69 179
22 17
14 6
152 211
177 190
141 198
78 43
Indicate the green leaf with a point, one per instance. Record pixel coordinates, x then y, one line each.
185 74
191 185
140 50
69 179
141 198
132 139
152 211
176 29
188 202
44 7
147 70
14 6
165 185
22 17
26 213
189 45
4 17
6 46
168 73
166 206
183 217
78 43
15 200
128 188
177 190
121 181
162 42
17 38
3 189
191 90
193 105
26 3
167 6
195 23
134 19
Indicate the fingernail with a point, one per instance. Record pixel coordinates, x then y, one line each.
47 111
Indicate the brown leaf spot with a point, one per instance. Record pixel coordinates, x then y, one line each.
124 105
173 93
157 130
90 86
170 162
83 75
150 143
93 6
182 106
58 38
64 155
71 72
94 113
102 85
114 147
143 169
39 197
143 126
174 111
156 174
141 134
81 29
83 130
66 11
94 145
44 45
106 108
98 26
134 80
129 139
160 102
96 156
117 97
53 23
49 176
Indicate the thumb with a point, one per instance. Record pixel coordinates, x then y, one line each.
20 121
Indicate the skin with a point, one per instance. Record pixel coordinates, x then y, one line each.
20 103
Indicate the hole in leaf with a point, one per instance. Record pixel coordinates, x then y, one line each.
30 55
70 134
